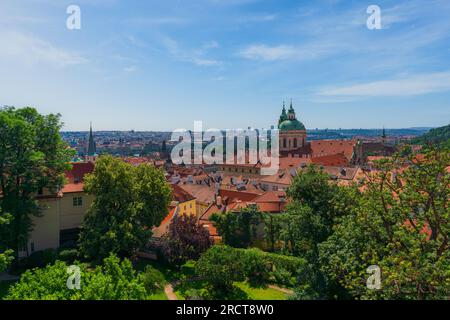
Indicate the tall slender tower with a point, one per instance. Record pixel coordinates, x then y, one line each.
91 152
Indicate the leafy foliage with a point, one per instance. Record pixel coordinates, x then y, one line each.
33 157
185 240
128 201
308 221
6 255
39 259
115 280
435 136
402 224
153 279
220 266
238 229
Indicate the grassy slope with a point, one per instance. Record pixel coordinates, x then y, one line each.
261 293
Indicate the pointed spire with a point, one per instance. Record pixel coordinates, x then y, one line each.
91 145
283 115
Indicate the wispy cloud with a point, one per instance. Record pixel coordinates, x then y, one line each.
412 85
269 53
130 69
195 56
288 52
29 49
157 21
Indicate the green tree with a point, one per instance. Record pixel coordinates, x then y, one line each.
220 266
114 280
401 224
238 229
33 157
5 256
316 203
128 202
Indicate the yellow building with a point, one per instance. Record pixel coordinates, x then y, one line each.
61 214
184 201
204 195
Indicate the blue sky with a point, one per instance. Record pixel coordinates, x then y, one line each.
160 65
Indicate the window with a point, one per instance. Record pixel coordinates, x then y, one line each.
32 246
284 143
295 142
77 201
274 188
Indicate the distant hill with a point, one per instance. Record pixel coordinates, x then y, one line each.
439 135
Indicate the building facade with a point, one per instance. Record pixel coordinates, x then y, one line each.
292 132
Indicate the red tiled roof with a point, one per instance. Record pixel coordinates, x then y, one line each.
331 160
75 176
329 147
73 187
293 162
78 171
271 201
136 160
201 192
180 195
233 196
169 216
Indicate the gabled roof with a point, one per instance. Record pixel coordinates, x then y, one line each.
201 192
180 195
75 176
284 176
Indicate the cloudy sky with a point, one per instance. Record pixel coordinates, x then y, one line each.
160 65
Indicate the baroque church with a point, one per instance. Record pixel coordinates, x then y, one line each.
292 134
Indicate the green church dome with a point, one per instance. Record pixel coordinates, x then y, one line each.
288 125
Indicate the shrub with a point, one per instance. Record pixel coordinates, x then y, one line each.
153 279
283 277
40 259
256 266
220 266
68 255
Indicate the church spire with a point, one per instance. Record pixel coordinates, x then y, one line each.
91 145
291 112
283 115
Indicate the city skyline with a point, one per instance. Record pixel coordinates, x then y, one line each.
158 67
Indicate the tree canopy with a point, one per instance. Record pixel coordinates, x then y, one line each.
238 229
114 280
33 157
128 201
401 224
185 240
